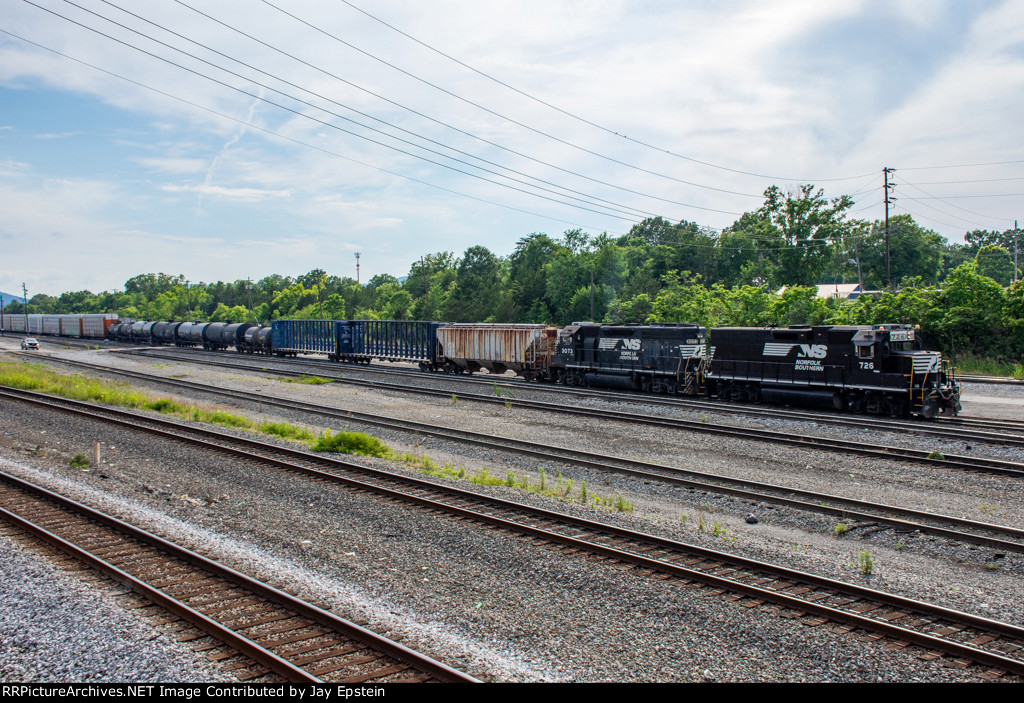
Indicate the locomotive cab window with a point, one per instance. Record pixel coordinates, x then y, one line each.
866 351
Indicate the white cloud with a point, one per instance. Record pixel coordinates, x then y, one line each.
799 89
173 165
246 194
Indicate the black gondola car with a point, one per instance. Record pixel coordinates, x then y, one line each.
658 358
877 369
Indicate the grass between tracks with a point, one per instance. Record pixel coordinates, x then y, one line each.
37 377
977 366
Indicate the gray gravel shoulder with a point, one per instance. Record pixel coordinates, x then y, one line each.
506 609
54 628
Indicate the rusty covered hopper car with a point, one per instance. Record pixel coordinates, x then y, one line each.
524 349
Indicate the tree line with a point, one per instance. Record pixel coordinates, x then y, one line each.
960 294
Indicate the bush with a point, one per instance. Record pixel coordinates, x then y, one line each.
351 443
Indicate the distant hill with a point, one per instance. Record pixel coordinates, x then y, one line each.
7 298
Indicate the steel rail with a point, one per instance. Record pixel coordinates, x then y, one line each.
909 520
995 466
793 589
247 646
975 429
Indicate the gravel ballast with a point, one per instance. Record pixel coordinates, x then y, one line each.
506 609
54 628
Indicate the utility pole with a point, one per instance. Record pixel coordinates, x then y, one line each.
1015 233
888 200
24 293
860 276
357 267
248 293
319 293
592 316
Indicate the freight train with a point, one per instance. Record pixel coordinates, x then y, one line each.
879 369
89 326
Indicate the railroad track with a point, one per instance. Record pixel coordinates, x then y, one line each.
843 508
966 463
996 432
274 631
996 380
815 600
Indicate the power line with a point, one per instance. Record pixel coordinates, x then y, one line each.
493 112
614 206
986 163
415 112
932 197
976 180
359 112
299 142
947 214
931 219
577 117
319 121
960 197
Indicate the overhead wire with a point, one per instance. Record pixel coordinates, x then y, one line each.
319 121
805 245
493 112
584 120
300 142
614 206
974 180
985 163
948 214
411 110
925 217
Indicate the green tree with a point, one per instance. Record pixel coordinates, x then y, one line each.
478 282
995 262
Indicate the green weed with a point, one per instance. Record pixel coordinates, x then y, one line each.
351 443
309 380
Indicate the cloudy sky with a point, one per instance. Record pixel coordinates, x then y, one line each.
240 138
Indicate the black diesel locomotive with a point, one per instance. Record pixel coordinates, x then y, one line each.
658 358
877 369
